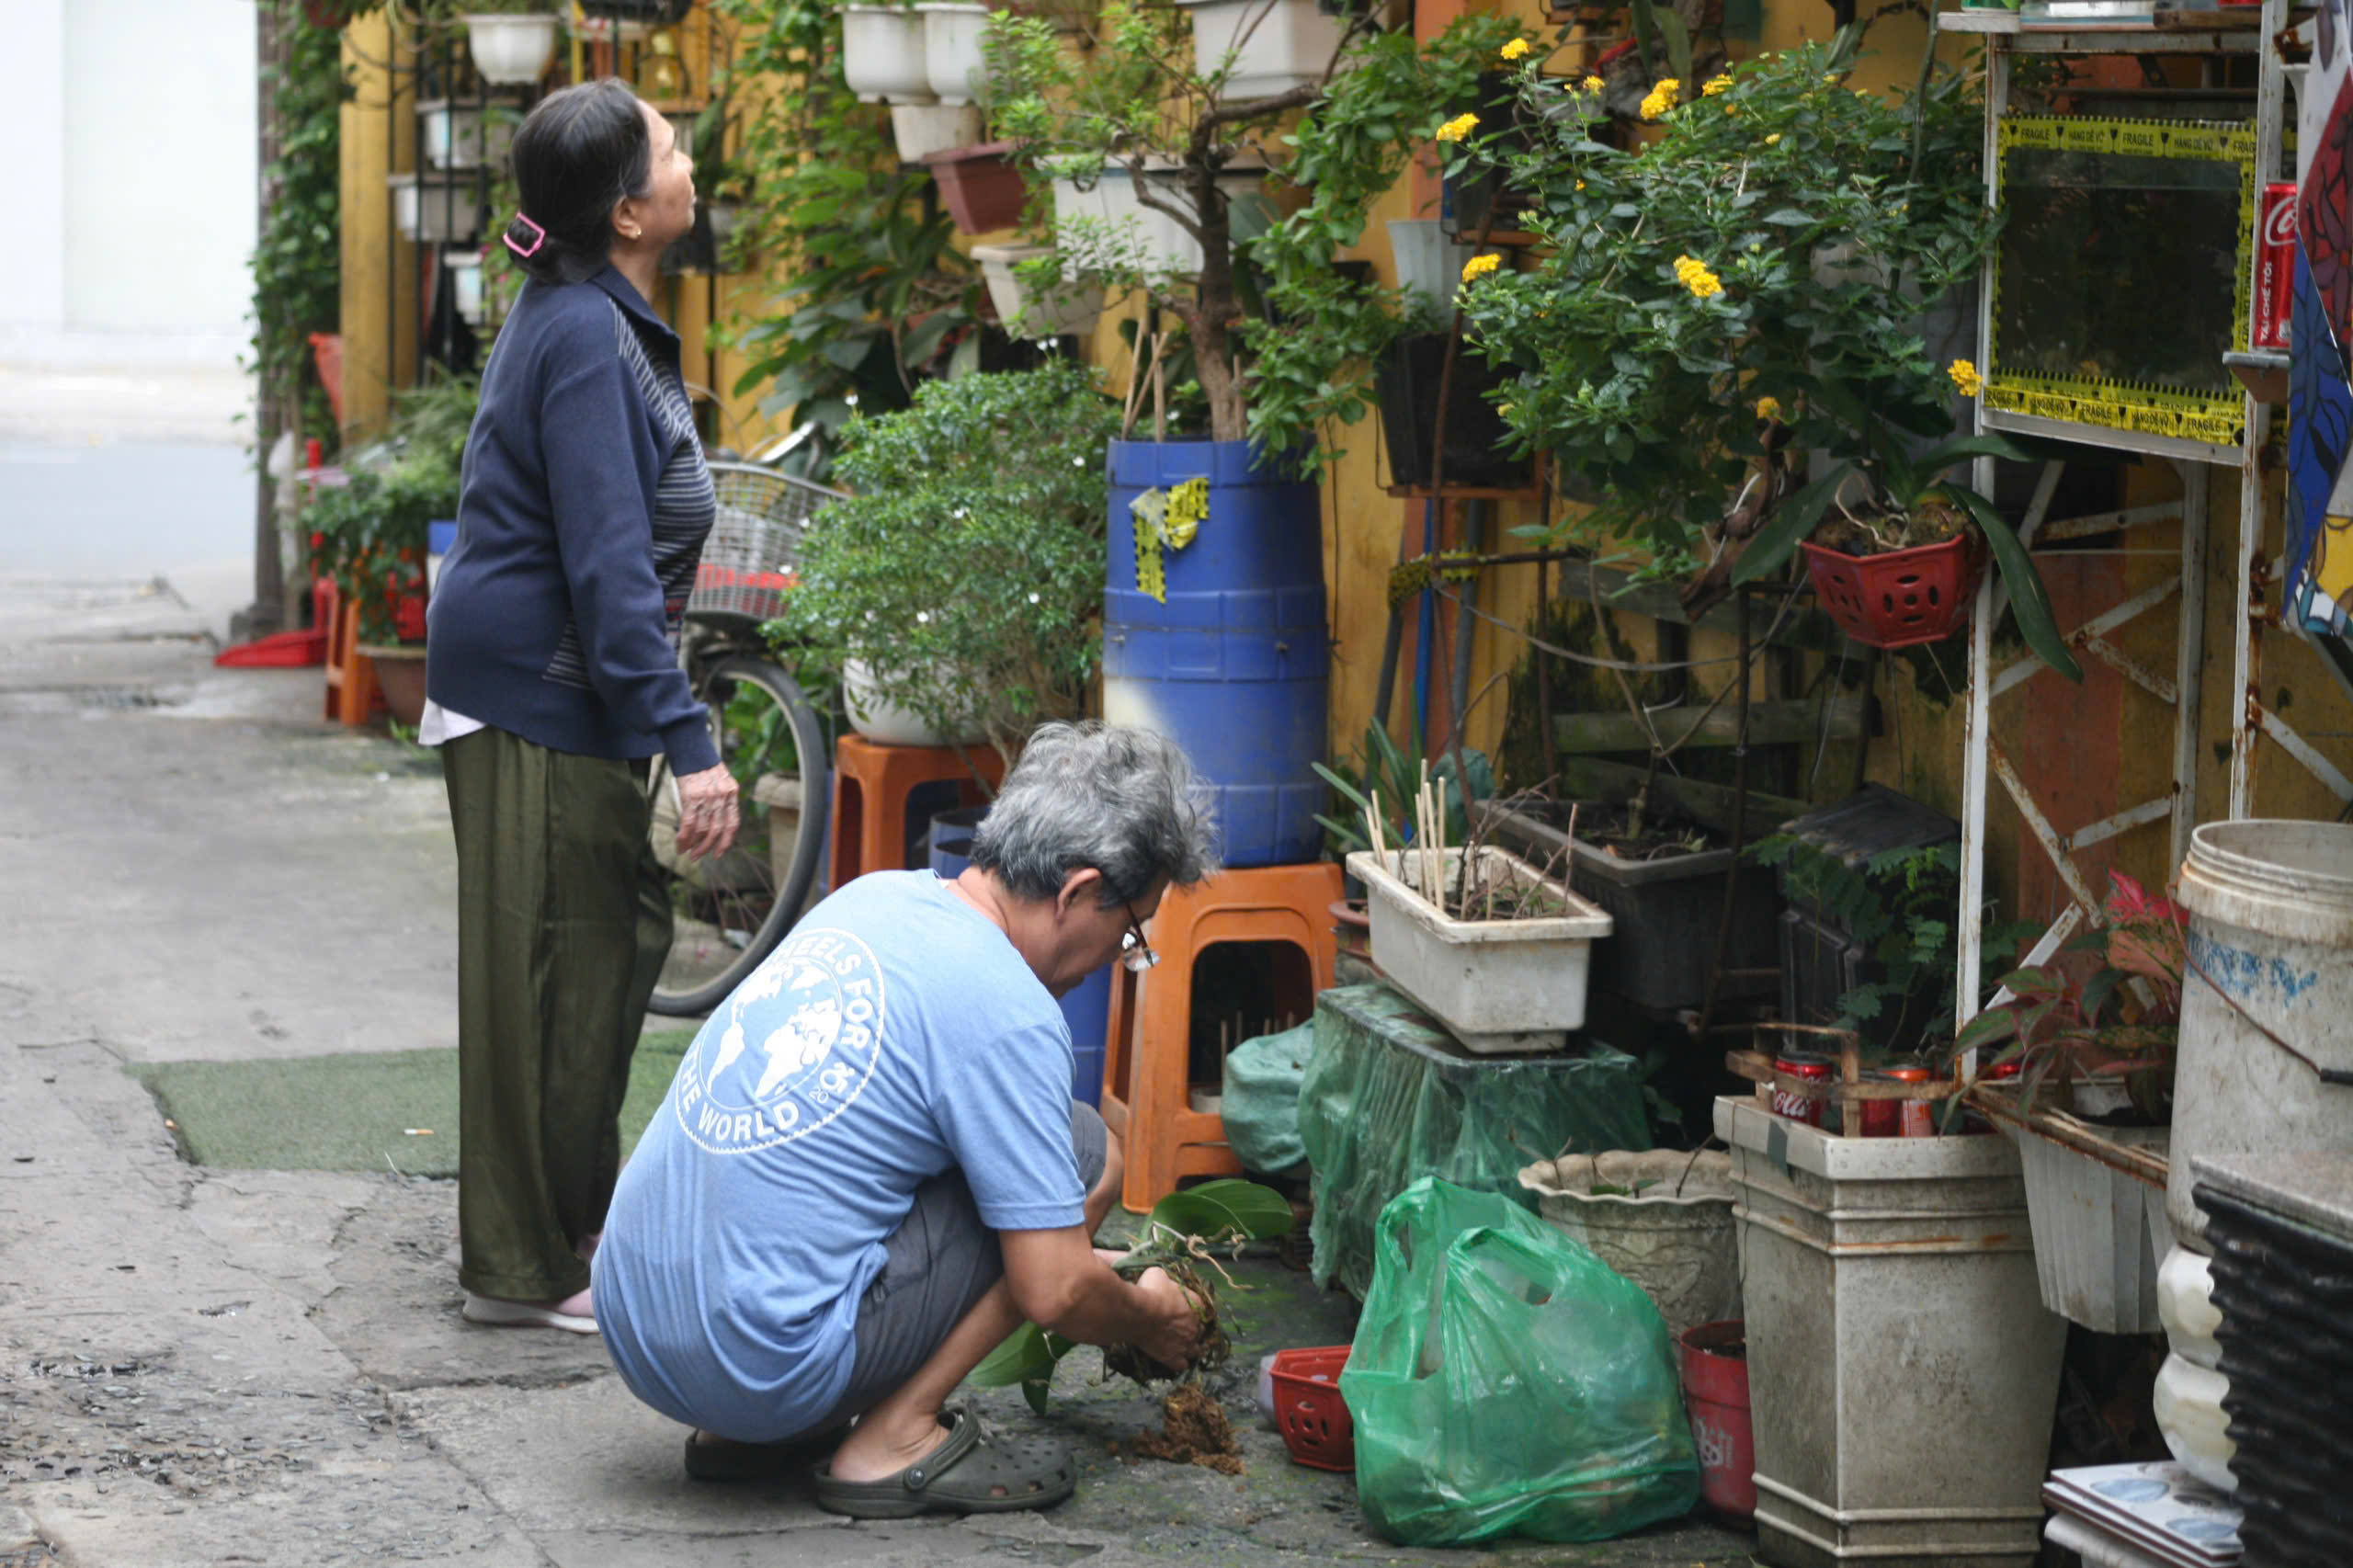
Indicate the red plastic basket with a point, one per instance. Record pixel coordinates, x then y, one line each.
1903 598
1309 1409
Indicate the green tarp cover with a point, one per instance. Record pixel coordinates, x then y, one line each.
1261 1105
1389 1097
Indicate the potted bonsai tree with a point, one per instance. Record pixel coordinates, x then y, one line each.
959 582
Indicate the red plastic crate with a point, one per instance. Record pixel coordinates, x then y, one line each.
1309 1409
1903 598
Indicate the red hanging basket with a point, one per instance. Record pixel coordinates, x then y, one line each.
1903 598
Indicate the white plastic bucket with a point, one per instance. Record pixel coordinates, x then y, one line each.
2271 921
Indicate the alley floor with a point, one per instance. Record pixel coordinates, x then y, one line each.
201 1366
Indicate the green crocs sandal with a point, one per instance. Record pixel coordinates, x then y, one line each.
725 1461
966 1474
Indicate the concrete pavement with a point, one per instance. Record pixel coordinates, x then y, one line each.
204 1366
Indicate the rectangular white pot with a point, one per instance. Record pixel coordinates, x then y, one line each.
1497 985
1027 315
921 129
1276 44
465 283
951 51
1152 240
435 212
882 54
465 136
2095 1245
1902 1367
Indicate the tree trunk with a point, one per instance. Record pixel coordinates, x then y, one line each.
1215 312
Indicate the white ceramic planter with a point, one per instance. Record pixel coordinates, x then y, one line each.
919 129
1274 45
464 265
1497 985
511 51
1902 1367
1152 240
882 54
464 136
2096 1243
886 723
1075 309
1669 1231
951 51
1427 262
435 212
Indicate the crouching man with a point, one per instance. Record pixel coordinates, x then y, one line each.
869 1170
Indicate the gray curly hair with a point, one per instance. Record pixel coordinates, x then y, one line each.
1123 801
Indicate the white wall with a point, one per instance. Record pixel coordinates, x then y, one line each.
142 167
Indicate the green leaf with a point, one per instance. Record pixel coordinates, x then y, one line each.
2029 601
1989 1027
1025 1357
1791 218
1791 521
1225 1210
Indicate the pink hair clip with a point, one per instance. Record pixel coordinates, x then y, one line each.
538 238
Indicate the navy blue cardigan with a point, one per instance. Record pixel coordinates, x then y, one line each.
552 617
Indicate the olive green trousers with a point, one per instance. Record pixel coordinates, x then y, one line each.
563 927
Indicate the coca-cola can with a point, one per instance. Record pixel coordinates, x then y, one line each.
1802 1064
1881 1118
1914 1119
2274 268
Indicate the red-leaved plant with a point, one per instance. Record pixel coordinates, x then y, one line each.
2108 1003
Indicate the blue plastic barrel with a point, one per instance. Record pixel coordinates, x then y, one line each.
1234 666
1087 1009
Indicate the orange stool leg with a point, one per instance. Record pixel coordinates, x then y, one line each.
872 784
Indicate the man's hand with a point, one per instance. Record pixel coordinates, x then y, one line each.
1175 1326
706 813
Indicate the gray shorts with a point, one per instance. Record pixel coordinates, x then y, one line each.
938 1265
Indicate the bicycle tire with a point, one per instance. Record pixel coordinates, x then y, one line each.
730 913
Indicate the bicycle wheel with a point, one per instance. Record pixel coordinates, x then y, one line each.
729 912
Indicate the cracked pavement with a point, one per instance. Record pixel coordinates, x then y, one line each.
203 1367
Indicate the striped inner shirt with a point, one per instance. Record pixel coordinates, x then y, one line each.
684 501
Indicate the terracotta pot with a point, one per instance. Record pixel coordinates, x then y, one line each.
400 675
980 185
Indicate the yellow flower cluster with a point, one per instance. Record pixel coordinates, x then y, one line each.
1480 265
1768 408
1965 376
1455 130
1662 98
1693 273
1593 83
1514 49
1716 85
1773 140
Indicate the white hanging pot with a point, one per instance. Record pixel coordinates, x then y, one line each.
511 51
883 57
951 51
1276 44
1027 315
923 129
1105 192
465 284
1427 262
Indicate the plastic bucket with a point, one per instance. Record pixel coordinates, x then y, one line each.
1232 662
1715 1396
2271 921
1086 1009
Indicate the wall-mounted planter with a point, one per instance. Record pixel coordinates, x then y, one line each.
1106 193
2098 1233
951 51
920 130
1407 381
1276 44
435 212
511 51
1427 262
1026 316
882 54
452 135
464 265
980 185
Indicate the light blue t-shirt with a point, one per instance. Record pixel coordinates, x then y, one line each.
894 1035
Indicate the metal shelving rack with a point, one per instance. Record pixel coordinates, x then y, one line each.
2007 37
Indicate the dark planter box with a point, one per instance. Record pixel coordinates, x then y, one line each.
979 184
1408 383
1664 912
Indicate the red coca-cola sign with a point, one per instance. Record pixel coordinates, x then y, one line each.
2275 268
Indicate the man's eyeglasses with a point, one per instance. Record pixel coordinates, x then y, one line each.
1134 951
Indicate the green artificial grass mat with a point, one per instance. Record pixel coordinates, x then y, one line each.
353 1113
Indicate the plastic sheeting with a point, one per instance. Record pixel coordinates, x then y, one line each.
1260 1107
1389 1097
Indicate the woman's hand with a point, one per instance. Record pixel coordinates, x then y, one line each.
706 813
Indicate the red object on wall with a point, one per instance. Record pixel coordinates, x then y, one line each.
1903 597
2275 266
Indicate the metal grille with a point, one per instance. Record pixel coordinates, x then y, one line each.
747 561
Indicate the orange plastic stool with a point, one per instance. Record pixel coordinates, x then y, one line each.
351 694
1146 1087
871 784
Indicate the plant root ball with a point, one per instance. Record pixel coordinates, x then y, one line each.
1194 1430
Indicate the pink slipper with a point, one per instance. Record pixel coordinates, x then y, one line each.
574 1314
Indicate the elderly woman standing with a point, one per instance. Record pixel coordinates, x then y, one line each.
553 679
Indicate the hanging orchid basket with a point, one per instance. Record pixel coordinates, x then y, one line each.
1903 598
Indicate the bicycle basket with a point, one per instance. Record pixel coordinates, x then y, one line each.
747 561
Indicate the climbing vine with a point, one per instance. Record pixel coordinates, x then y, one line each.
297 267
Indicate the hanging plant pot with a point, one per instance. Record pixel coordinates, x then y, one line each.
511 50
920 130
1903 598
980 185
882 55
1407 381
1026 316
951 51
1276 44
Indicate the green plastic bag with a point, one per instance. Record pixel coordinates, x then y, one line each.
1261 1106
1504 1382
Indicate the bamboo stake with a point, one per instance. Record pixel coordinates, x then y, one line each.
1569 867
